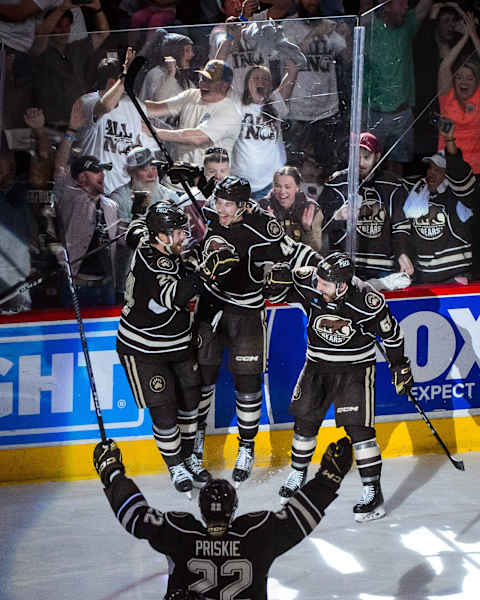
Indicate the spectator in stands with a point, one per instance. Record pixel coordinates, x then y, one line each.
112 123
171 53
259 150
299 215
18 90
315 116
207 115
389 83
154 13
436 36
440 208
18 21
226 41
88 221
64 64
459 96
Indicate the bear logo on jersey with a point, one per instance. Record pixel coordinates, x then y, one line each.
334 329
157 383
165 264
372 300
372 215
274 228
432 225
215 243
304 272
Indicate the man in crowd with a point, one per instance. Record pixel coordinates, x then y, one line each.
345 316
232 314
439 206
382 229
88 221
155 337
249 544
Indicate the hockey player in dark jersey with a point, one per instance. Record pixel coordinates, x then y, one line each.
155 339
382 229
345 315
440 208
224 557
237 299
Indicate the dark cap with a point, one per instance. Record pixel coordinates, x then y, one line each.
217 70
88 163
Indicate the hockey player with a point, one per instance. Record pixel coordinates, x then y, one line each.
222 554
382 229
440 208
238 304
155 340
345 315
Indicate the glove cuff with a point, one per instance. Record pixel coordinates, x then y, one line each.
329 478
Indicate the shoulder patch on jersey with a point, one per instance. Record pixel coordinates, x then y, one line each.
157 383
165 263
304 272
372 300
274 228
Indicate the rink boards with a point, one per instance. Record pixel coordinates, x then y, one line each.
48 422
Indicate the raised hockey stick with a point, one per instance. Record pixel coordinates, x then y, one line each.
457 463
38 278
135 66
83 339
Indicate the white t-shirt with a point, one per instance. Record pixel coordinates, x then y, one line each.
111 137
158 86
242 58
259 150
20 36
220 121
315 94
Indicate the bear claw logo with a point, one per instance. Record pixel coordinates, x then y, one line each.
334 329
157 383
432 225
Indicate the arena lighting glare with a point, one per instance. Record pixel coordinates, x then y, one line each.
336 558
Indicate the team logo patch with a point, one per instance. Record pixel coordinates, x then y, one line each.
372 215
335 330
273 228
214 243
165 264
432 225
304 272
372 300
157 383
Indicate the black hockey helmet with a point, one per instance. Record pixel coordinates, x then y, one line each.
236 189
164 218
218 502
336 267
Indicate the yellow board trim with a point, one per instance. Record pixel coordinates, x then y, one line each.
272 449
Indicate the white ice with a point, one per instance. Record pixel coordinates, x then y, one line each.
61 540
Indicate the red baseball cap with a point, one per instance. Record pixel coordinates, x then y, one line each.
369 142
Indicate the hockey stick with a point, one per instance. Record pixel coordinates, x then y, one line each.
83 339
38 278
135 66
457 463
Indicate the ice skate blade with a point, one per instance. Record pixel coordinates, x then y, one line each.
378 513
200 484
237 484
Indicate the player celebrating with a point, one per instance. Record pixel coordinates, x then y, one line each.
155 340
237 306
344 317
224 554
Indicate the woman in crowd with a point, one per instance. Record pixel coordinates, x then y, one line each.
259 150
300 215
459 95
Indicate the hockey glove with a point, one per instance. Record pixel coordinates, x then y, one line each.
218 263
277 280
336 463
107 460
184 171
402 377
206 186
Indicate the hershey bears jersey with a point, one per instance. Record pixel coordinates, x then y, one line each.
234 565
259 240
382 229
342 333
150 322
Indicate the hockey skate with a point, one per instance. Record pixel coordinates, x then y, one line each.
244 462
199 441
200 476
294 482
370 506
181 479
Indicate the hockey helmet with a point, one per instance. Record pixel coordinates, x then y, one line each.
165 218
336 268
218 502
236 189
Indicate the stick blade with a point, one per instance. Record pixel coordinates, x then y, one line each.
458 464
135 66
